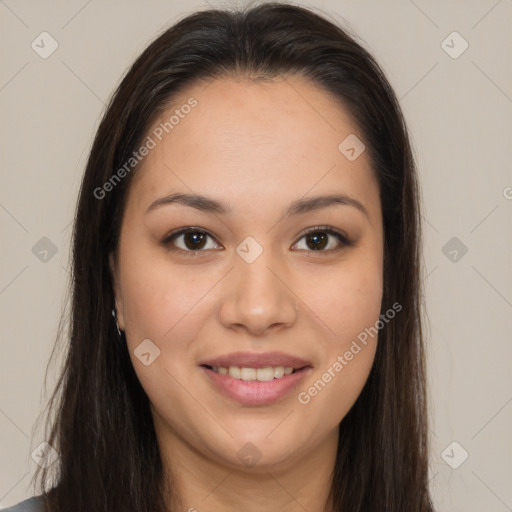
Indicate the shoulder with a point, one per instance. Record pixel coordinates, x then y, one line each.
34 504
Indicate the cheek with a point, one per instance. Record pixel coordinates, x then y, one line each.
349 304
348 300
157 301
163 307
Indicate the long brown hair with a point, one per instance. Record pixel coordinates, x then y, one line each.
103 428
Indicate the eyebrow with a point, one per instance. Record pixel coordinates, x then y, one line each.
299 206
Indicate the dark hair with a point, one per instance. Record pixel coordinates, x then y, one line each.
103 428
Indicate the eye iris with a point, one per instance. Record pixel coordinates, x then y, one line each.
318 239
194 240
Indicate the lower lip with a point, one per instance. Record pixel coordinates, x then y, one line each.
256 392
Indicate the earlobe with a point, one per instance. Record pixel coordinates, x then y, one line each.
117 293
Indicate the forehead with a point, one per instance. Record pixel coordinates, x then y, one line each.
247 139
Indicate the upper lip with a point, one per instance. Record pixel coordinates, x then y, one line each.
256 360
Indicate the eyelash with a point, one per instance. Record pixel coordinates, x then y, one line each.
342 239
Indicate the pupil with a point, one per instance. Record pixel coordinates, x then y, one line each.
194 240
319 240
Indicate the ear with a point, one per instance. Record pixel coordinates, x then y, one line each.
117 291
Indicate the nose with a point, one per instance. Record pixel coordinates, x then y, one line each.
258 297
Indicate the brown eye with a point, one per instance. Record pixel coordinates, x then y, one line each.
317 241
190 240
323 240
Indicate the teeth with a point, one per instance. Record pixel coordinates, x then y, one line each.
249 374
234 371
278 372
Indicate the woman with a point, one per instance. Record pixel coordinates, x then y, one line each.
246 310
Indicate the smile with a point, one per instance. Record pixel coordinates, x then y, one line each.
255 386
265 374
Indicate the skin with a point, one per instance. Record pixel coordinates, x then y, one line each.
257 147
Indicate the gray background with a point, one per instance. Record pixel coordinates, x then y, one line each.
459 114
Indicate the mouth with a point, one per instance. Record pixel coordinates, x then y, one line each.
248 374
252 378
228 363
255 379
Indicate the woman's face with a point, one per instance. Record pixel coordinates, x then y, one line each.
248 168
